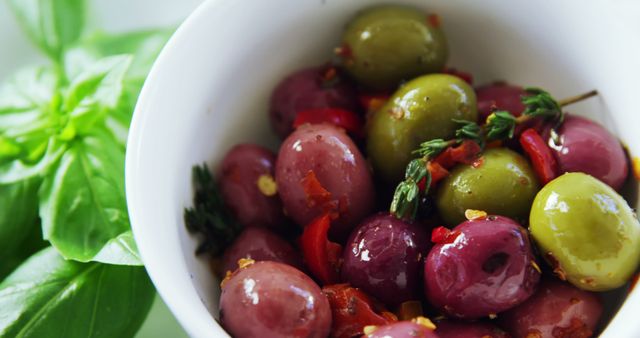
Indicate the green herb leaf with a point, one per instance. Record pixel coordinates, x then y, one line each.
48 297
500 125
52 25
82 203
18 222
432 148
469 130
406 197
209 216
540 103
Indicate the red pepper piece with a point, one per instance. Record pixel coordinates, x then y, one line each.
373 102
437 171
544 164
442 235
314 191
342 118
352 310
467 77
466 152
320 255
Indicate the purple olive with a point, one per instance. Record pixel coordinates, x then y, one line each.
557 309
449 328
320 169
307 89
248 188
383 257
501 95
405 329
489 268
259 244
587 147
270 299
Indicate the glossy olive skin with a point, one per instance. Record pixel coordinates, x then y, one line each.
419 111
339 167
383 257
450 328
502 95
307 89
587 231
503 184
241 168
259 244
557 309
388 44
404 329
270 299
486 270
585 146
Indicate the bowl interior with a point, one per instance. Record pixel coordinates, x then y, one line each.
210 88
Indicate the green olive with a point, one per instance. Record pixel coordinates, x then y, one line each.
419 111
586 231
502 183
389 44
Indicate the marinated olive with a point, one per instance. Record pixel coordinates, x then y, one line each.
319 169
449 328
556 310
384 257
488 268
500 95
586 231
419 111
405 329
501 183
259 244
307 89
585 146
385 45
270 299
248 188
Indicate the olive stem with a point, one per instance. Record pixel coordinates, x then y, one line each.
577 98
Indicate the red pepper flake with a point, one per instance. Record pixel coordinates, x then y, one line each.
314 191
434 20
557 270
576 329
329 74
344 51
544 163
534 333
442 235
494 144
478 162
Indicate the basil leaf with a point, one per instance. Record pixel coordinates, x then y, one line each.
52 25
144 46
82 203
49 297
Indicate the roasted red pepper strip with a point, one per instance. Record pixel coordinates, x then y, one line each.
352 310
372 102
544 164
320 255
437 171
466 152
342 118
467 77
442 235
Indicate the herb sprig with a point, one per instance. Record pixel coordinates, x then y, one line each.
500 125
209 215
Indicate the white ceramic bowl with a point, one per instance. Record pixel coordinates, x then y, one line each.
209 90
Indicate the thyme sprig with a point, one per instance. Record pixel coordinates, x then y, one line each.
209 215
500 125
